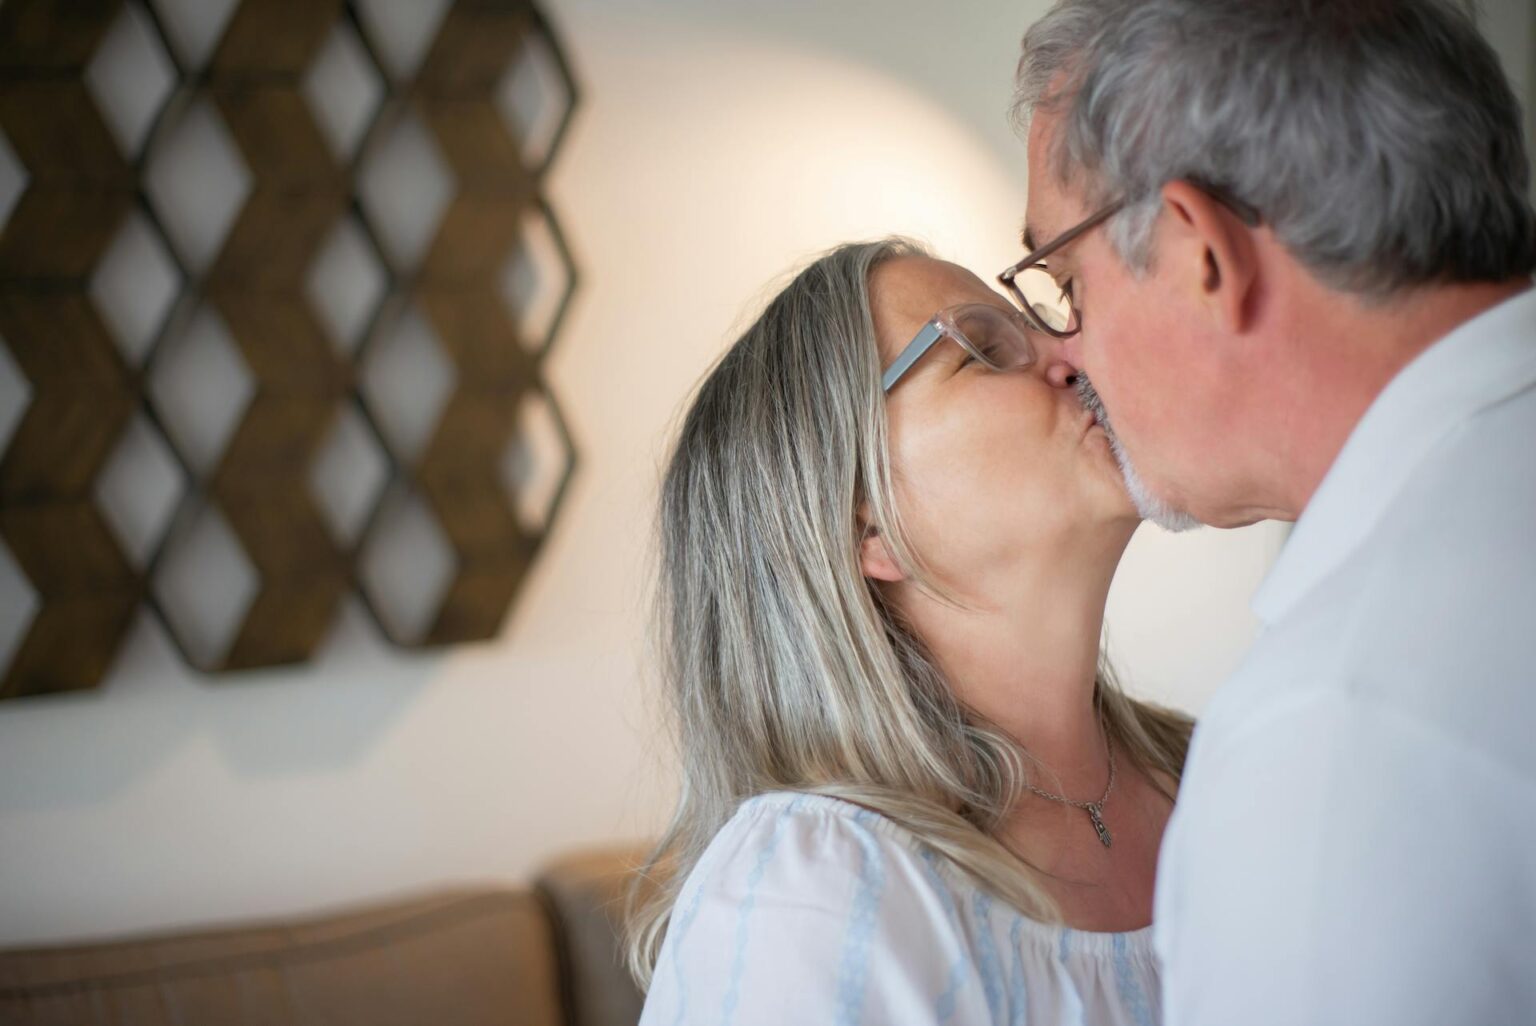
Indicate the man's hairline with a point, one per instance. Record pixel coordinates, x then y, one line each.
1030 234
1053 103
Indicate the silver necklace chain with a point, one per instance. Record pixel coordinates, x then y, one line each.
1095 810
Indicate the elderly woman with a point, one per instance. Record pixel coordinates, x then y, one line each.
910 790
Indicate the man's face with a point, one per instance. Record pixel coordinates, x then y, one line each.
1145 345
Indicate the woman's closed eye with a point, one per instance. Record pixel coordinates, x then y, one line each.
982 353
988 353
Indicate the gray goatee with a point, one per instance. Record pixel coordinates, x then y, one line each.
1148 505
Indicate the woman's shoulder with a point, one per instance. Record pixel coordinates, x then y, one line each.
827 836
812 851
807 908
838 816
796 904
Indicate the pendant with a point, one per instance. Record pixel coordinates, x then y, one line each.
1098 825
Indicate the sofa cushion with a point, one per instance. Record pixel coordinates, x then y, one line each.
483 958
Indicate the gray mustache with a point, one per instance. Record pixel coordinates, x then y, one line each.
1089 397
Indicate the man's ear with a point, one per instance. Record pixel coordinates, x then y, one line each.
876 561
1217 249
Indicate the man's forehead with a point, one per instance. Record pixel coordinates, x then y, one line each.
1042 219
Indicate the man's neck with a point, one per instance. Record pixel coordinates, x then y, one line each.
1344 369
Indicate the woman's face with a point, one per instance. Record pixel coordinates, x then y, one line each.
992 469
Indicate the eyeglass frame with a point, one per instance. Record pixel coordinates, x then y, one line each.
940 325
1246 212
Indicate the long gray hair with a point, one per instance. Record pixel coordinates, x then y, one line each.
784 667
1379 138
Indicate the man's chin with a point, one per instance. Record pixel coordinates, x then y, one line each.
1151 508
1148 505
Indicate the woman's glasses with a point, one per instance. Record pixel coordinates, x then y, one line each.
997 337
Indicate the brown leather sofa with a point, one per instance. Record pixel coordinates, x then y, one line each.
544 956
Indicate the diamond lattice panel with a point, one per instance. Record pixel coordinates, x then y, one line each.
277 280
131 76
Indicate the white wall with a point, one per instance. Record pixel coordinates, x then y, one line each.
1510 26
718 145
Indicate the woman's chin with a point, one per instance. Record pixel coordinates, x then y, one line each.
1096 438
1120 505
1102 452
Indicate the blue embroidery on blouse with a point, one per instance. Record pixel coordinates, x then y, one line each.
1130 987
944 1007
681 924
987 962
1069 995
759 870
862 920
1016 996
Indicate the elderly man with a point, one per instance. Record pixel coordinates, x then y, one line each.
1298 250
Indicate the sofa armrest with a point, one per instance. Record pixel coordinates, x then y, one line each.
584 894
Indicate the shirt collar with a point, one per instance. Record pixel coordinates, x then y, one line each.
1481 362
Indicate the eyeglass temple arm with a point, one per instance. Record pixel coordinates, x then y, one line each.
1061 240
920 344
1246 212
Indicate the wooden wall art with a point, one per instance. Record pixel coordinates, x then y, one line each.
277 282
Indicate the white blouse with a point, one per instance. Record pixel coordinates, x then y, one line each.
805 909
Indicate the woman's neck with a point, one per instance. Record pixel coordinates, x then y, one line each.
1021 649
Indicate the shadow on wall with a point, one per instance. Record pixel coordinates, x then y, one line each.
286 723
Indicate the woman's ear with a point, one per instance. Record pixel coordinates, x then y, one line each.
875 559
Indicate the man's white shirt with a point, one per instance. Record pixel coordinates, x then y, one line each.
1355 839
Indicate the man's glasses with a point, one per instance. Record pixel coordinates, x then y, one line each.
996 337
1045 303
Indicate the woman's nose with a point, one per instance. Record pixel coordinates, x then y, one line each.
1055 369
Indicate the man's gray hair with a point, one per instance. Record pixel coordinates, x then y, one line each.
1378 138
